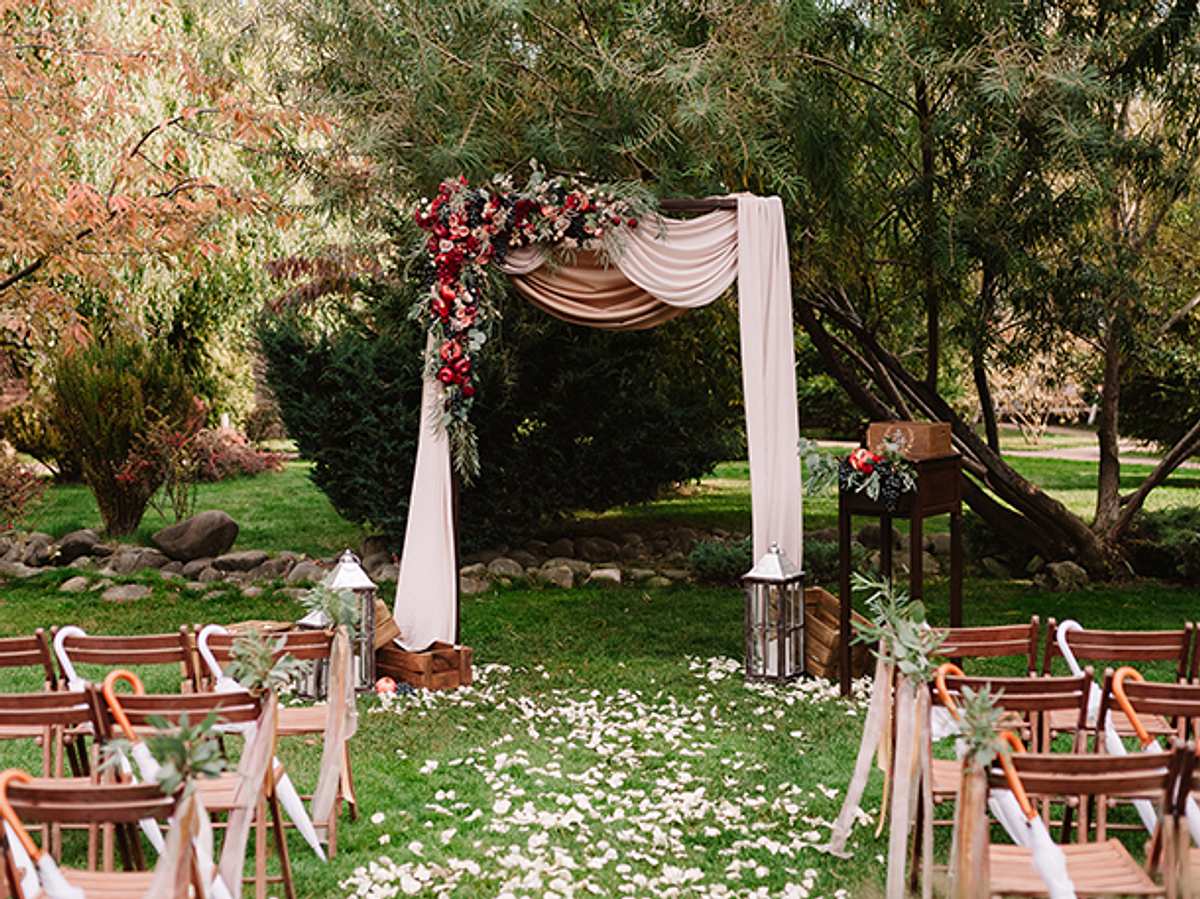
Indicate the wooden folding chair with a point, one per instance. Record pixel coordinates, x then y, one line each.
1122 648
220 794
1002 641
73 647
295 721
1104 866
47 803
32 652
1027 703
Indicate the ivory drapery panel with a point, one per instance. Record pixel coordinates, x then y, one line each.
658 274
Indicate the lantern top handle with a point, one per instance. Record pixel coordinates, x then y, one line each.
774 567
348 575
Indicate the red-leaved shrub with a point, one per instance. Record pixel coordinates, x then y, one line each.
20 489
222 453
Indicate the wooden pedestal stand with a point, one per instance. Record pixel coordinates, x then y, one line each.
939 492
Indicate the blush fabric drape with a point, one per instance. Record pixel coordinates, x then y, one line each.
658 274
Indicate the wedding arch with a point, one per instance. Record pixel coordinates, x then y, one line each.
652 274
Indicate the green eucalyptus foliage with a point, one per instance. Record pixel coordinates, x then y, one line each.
341 608
898 625
258 666
980 717
184 751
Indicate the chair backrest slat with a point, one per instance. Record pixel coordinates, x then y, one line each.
300 644
1137 774
1003 641
28 652
1124 646
1032 698
134 650
230 708
47 709
70 802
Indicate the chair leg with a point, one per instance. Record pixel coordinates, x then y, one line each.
914 875
260 851
285 860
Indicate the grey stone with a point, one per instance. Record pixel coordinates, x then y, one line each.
1061 577
193 585
938 544
596 549
632 538
605 577
995 568
676 574
305 571
537 547
640 574
208 575
294 592
273 568
76 544
470 586
869 535
475 570
194 567
84 562
245 560
289 556
102 584
102 550
389 572
251 592
76 584
523 558
152 558
172 568
578 567
211 533
632 551
16 569
170 575
557 576
375 561
126 593
376 543
482 557
659 581
125 561
504 567
563 546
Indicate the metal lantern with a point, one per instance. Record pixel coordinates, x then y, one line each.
774 618
348 575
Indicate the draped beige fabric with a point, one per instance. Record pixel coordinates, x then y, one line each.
662 269
341 726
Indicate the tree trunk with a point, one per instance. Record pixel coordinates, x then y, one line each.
1132 504
928 225
1108 492
987 406
1043 522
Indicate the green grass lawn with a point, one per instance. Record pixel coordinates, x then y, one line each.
609 742
276 511
609 747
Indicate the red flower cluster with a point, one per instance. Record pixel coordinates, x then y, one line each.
471 228
864 460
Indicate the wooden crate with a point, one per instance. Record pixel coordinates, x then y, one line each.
821 637
923 439
440 667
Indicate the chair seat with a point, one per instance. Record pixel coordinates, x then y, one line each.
946 775
220 794
1097 869
1066 719
21 732
305 719
110 884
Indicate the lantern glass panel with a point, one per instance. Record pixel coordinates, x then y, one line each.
774 620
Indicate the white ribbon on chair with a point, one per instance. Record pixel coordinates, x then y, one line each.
1112 740
288 795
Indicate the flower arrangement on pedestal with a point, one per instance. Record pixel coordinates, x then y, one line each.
469 231
884 477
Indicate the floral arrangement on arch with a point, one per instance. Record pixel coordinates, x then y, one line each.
884 477
469 231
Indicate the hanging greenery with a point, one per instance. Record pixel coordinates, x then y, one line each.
898 626
340 608
469 232
257 665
